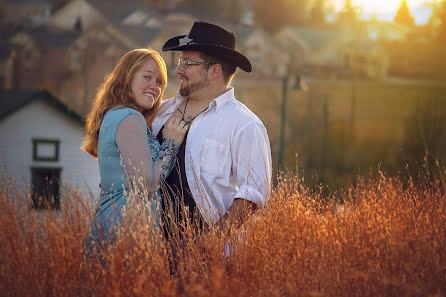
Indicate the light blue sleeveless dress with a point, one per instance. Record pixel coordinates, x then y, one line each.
114 185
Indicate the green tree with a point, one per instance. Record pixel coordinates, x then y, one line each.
273 15
403 15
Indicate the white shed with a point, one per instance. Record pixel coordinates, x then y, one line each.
40 140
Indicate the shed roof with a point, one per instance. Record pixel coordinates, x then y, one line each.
13 100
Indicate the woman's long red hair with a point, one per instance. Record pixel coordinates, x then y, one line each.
116 91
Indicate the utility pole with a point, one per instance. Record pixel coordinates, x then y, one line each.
283 119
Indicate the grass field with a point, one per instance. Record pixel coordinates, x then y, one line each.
387 239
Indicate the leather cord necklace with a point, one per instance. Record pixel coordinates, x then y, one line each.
184 112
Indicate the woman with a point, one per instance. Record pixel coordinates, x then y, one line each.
131 161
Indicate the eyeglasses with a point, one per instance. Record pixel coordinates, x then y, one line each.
186 63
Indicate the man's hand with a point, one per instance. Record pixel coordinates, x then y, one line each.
237 214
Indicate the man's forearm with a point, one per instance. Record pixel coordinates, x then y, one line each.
236 215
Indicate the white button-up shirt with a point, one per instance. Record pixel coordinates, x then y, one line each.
227 154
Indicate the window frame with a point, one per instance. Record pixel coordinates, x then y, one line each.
37 141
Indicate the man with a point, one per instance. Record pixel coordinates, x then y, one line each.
224 169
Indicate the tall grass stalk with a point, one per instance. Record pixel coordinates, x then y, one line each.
388 238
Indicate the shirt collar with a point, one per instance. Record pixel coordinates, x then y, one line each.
222 99
178 98
218 102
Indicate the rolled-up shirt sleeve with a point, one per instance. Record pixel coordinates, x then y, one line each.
251 154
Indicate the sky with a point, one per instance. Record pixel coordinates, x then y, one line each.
385 9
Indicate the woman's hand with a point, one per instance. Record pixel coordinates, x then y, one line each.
175 129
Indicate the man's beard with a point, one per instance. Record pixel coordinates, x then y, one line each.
190 88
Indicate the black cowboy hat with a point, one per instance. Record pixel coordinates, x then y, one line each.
212 40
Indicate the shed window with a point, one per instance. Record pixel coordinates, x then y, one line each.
45 150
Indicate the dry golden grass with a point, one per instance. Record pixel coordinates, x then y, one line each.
385 240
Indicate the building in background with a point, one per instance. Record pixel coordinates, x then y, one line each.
40 147
40 57
26 12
